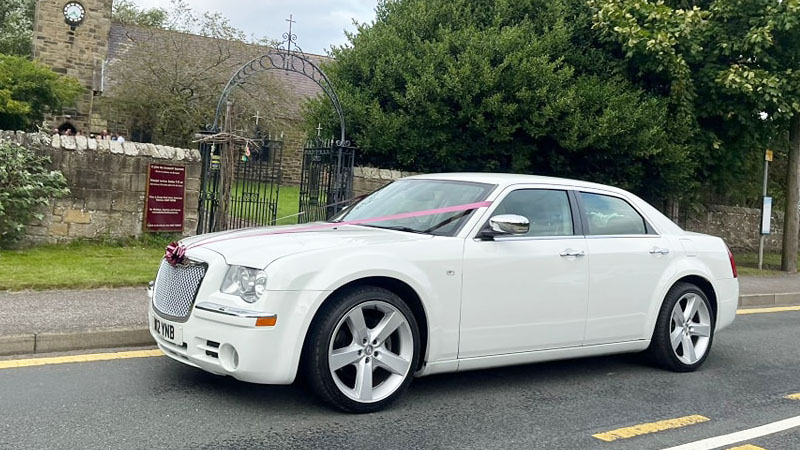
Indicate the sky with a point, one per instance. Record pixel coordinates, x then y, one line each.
319 23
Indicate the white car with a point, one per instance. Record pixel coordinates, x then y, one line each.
444 273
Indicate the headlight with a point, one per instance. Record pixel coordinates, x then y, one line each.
247 283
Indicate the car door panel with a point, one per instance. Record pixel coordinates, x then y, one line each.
624 275
520 294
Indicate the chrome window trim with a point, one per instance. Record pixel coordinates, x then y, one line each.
532 238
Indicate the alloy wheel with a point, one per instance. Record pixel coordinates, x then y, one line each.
690 328
371 351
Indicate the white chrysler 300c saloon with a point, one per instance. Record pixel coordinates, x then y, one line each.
442 273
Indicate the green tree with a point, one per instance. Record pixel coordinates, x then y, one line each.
16 26
25 185
29 90
732 65
127 12
502 85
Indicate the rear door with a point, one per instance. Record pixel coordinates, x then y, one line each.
629 262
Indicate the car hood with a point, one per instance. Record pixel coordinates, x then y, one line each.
258 247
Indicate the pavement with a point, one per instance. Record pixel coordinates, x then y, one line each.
155 402
51 321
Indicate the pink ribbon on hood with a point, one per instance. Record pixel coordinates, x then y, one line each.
176 253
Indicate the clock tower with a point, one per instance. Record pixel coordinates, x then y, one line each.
71 37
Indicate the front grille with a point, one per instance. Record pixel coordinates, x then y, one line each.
176 288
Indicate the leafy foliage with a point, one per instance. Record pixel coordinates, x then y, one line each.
501 85
127 12
28 90
25 186
731 66
16 26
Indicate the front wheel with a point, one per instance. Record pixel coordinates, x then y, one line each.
684 330
362 350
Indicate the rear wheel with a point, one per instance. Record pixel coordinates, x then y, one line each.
362 350
684 330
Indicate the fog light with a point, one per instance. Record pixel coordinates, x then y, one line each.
228 357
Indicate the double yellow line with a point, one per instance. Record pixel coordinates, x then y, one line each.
17 363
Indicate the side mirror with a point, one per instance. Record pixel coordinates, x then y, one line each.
506 225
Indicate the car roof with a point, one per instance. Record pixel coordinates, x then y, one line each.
506 179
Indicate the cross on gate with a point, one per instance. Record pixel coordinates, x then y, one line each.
290 38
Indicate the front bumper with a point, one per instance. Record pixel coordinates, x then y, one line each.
225 340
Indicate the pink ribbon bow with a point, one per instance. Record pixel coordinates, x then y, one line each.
175 253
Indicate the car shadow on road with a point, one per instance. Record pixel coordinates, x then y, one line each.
451 387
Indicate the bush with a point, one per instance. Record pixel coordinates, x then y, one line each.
503 86
25 186
29 90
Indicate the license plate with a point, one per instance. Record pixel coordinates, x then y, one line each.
170 332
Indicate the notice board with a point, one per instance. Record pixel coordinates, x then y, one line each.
165 198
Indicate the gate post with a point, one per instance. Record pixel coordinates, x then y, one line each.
208 184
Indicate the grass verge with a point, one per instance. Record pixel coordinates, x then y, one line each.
81 265
747 264
95 264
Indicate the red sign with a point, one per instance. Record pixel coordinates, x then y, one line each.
166 190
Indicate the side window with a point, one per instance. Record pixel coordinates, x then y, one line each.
547 211
611 215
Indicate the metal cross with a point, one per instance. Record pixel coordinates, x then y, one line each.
289 43
319 130
257 117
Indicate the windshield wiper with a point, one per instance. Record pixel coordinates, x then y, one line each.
395 228
447 221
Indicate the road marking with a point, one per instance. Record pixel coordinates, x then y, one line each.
793 396
767 310
17 363
741 436
647 428
747 447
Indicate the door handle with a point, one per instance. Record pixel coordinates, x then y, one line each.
659 251
571 252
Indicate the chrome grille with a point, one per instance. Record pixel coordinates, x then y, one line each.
176 288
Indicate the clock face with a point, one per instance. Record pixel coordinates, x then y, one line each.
74 13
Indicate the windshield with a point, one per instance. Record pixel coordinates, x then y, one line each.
408 196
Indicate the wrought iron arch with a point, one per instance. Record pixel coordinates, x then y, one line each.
290 61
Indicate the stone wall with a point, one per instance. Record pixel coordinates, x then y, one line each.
369 179
107 182
738 226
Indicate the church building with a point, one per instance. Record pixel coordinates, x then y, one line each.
80 39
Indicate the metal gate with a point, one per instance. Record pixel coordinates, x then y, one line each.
252 195
326 180
240 190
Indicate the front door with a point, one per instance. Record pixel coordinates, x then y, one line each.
528 292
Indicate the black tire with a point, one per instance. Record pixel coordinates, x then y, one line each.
315 364
661 352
